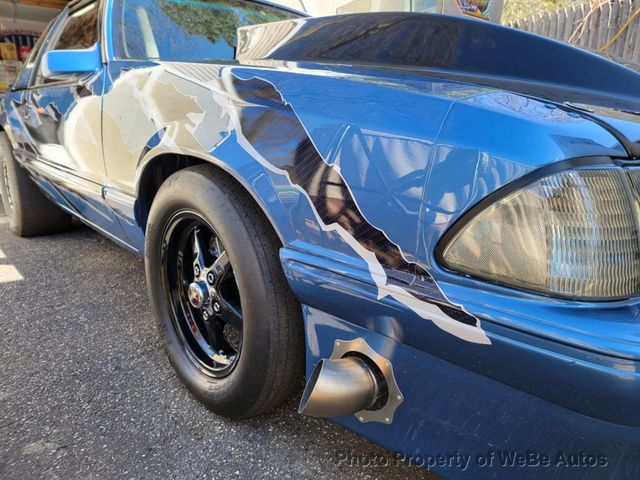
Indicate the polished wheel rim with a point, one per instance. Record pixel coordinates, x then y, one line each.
203 296
7 187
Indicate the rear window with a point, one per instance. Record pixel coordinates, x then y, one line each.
185 30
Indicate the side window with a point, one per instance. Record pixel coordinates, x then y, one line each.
78 30
179 30
27 68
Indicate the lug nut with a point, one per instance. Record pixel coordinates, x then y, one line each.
205 315
211 278
216 307
196 270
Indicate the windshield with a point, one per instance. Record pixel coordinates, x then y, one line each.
186 30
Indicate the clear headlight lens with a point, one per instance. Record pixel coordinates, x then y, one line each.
574 234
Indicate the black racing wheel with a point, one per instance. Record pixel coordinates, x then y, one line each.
231 326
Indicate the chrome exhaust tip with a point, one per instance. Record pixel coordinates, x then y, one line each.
355 380
340 387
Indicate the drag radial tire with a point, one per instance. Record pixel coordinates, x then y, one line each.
209 246
30 213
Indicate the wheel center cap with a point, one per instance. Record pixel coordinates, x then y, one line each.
197 293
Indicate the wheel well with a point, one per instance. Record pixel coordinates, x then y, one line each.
154 175
160 169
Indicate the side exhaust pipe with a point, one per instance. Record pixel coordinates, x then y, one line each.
340 387
355 380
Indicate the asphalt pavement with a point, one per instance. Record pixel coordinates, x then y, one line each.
87 392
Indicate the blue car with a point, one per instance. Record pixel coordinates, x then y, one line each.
435 220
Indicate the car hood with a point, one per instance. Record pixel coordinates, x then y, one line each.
465 51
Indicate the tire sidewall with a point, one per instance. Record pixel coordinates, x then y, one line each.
7 161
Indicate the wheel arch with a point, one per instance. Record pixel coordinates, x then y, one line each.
157 169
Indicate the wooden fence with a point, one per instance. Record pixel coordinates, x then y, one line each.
612 30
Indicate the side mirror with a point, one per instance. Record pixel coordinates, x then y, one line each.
61 63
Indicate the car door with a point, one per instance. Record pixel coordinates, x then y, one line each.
16 106
62 116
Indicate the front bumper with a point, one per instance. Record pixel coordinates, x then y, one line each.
462 424
567 393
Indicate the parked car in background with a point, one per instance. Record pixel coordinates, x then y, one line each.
436 218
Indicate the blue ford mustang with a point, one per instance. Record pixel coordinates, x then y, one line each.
437 219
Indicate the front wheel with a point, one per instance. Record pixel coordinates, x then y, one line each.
230 324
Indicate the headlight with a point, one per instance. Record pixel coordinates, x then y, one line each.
573 234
